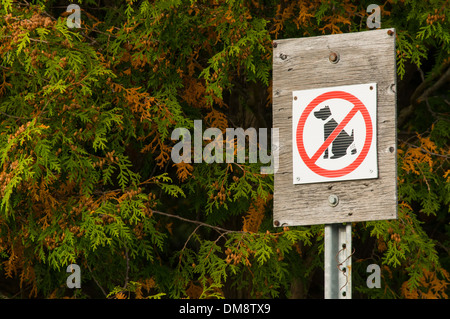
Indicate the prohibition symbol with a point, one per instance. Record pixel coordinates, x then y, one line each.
336 143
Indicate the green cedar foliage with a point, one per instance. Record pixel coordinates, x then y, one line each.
86 177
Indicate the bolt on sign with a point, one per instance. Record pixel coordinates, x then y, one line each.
334 103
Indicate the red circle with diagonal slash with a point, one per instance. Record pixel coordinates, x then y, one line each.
358 106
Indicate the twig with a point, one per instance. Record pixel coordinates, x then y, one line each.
16 117
443 247
216 228
127 269
189 238
3 296
424 178
215 242
39 40
426 151
423 91
96 282
440 82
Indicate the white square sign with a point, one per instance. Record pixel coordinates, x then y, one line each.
334 134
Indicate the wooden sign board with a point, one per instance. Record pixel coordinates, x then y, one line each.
334 104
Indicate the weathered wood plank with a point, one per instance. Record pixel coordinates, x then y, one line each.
300 64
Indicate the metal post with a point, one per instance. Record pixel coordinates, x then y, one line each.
338 262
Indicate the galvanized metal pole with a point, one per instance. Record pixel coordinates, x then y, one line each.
338 261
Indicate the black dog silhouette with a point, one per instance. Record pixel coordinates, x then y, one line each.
341 143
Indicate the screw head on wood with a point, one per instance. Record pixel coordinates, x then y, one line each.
274 44
333 57
276 223
333 200
390 32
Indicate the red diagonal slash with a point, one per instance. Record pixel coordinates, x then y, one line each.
334 134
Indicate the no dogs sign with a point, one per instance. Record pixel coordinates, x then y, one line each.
334 134
334 105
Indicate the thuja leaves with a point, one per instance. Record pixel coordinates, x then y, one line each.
86 175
